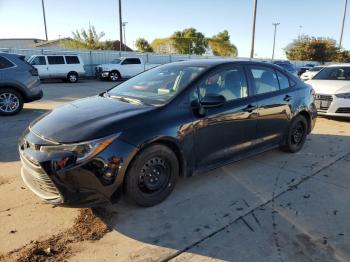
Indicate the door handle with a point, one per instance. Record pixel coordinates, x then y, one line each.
287 98
250 108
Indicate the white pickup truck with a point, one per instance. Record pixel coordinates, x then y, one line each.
124 67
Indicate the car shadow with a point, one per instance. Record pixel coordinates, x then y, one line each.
11 128
203 206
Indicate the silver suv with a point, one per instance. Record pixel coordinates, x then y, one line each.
19 83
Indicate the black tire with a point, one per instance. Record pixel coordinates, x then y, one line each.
11 102
296 135
152 175
72 77
114 76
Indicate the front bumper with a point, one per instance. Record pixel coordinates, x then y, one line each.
100 74
331 105
86 185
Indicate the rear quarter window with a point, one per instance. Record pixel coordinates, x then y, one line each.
72 60
5 63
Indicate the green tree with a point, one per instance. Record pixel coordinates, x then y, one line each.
189 41
85 39
142 45
312 49
221 46
343 56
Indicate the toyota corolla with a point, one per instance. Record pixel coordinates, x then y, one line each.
178 119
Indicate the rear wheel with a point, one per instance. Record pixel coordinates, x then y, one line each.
11 102
296 135
152 175
72 77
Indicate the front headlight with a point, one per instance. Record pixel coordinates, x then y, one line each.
343 95
84 150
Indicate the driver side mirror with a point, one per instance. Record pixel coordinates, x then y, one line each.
212 101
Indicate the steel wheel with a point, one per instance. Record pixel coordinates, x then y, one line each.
154 176
297 134
9 103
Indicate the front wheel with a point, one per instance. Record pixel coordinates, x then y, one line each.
114 76
11 102
152 175
296 135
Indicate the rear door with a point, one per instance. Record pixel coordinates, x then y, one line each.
225 132
57 67
273 95
132 66
40 63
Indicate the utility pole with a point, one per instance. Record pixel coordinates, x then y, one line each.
42 3
120 26
342 25
300 27
253 29
274 39
124 25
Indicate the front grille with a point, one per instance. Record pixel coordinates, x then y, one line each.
343 110
38 181
323 102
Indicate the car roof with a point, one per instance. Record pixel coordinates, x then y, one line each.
336 65
9 55
210 62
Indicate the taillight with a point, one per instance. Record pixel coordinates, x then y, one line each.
34 71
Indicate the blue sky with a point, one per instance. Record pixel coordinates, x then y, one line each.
160 18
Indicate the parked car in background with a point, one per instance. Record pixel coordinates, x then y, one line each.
174 120
19 83
124 67
304 68
332 87
310 73
66 67
287 66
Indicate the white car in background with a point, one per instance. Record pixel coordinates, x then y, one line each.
309 74
332 88
124 67
65 67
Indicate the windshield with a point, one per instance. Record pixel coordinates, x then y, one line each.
334 73
116 61
158 85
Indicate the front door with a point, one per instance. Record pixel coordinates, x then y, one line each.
40 63
223 132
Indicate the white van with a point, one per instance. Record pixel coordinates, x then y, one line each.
67 67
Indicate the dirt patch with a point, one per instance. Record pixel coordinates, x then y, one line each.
87 226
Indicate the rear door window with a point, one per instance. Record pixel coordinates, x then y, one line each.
55 60
4 63
265 79
72 60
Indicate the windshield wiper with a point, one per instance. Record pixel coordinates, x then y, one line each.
127 99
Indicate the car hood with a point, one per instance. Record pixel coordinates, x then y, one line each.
107 65
330 87
86 119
